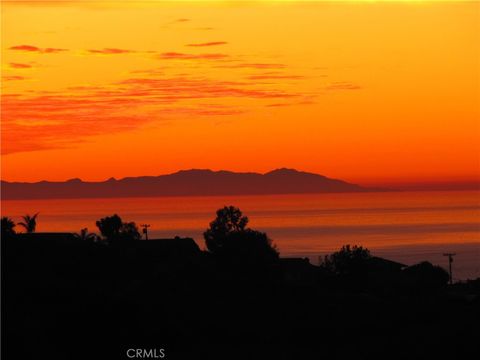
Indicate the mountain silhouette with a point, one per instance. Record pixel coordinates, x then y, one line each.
193 182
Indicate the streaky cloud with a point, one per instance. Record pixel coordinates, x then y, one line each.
35 49
212 43
13 77
110 51
253 66
273 77
341 85
183 56
20 66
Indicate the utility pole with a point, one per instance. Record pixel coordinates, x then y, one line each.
145 230
450 260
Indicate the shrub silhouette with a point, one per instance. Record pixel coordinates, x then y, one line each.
349 260
228 237
8 227
29 223
113 229
84 235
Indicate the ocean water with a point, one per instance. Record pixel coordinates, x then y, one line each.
404 226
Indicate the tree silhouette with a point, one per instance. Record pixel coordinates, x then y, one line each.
8 227
229 238
29 223
110 226
348 260
114 229
229 219
129 231
249 245
84 235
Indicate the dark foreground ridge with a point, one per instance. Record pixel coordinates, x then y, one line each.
88 296
184 183
65 298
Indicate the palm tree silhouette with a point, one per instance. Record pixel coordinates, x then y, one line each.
8 226
84 235
29 223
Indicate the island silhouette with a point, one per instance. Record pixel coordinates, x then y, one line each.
194 182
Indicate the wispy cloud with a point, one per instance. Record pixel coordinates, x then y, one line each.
110 51
305 101
178 88
12 77
182 56
35 49
278 105
60 120
152 72
52 50
342 85
65 118
253 66
274 77
20 66
212 43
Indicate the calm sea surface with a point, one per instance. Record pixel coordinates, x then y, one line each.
403 226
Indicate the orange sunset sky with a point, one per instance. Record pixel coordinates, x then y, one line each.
369 92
